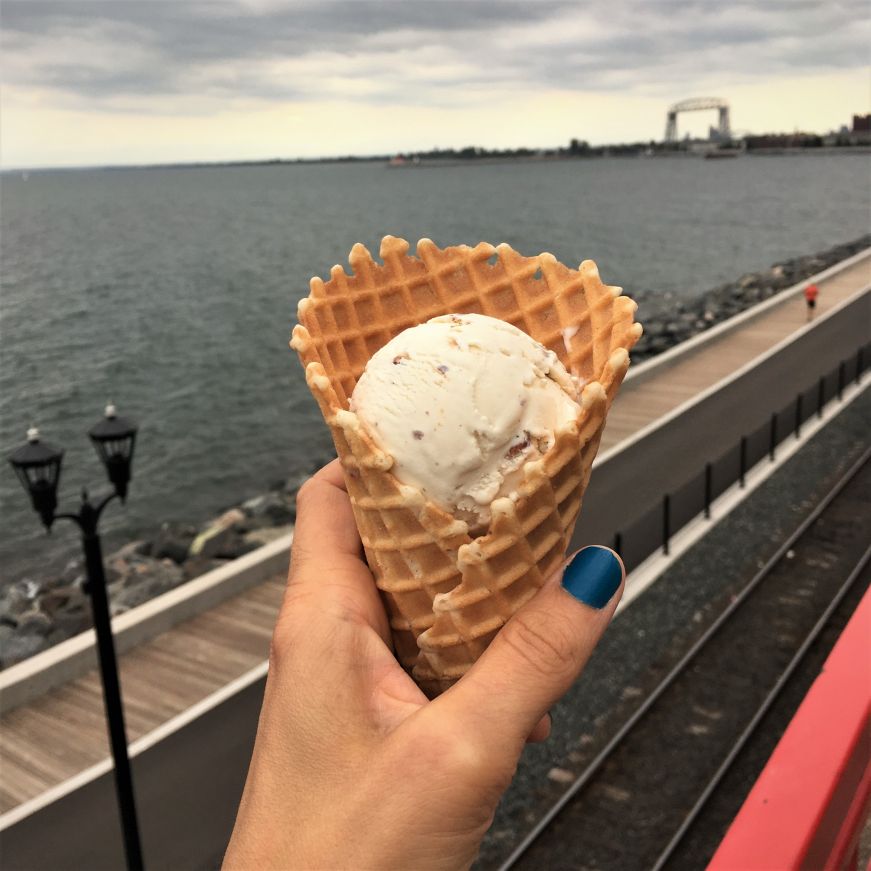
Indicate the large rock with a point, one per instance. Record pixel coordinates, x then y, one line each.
34 622
235 547
173 541
147 580
69 610
16 599
16 647
70 622
195 566
217 538
139 547
7 633
63 599
270 509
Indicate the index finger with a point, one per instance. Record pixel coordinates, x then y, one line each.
325 519
327 556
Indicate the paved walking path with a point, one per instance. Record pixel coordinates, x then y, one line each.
60 734
641 402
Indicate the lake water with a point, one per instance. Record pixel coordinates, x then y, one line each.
173 292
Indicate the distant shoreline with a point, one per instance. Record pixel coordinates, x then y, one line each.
431 162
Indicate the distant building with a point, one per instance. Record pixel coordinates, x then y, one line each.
858 134
783 141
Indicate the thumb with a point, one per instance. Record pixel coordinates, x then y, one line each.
540 651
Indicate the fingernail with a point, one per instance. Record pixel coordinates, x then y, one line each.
593 576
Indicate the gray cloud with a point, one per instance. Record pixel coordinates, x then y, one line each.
108 52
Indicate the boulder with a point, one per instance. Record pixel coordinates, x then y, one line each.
74 572
17 647
6 634
173 542
57 635
261 505
195 566
218 535
52 583
63 599
15 600
71 621
130 550
233 546
149 580
270 509
34 622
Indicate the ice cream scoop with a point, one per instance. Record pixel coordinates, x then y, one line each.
460 403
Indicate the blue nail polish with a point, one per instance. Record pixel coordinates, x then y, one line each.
593 576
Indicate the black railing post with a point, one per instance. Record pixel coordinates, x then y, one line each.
618 543
841 378
821 395
743 469
798 416
772 437
709 489
666 523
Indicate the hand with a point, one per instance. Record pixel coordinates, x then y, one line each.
353 767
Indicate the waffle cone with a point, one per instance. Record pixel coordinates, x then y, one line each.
447 589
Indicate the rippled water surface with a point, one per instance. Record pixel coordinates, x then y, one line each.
173 293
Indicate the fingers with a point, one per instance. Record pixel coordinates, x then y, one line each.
540 652
327 567
325 521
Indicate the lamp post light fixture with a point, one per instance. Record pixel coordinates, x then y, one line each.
38 467
114 438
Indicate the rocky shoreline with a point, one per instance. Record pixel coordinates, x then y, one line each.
669 320
38 613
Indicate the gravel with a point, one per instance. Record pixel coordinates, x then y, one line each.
649 636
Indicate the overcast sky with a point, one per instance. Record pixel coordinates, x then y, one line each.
140 81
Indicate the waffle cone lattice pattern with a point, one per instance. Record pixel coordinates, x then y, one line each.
447 590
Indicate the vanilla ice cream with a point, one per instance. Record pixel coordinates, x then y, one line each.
461 403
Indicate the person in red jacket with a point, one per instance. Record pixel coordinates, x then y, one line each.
810 295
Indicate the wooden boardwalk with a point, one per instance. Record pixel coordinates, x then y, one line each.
62 733
54 737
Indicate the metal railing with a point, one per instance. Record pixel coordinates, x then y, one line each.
654 529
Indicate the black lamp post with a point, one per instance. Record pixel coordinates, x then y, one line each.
37 465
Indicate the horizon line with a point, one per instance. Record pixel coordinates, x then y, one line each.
261 161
